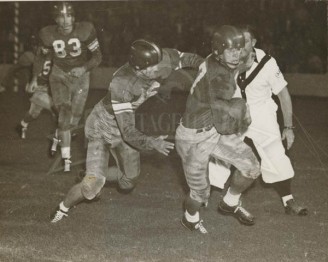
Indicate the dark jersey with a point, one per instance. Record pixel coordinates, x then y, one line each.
210 100
127 86
70 50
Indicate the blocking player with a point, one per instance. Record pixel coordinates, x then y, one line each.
110 128
75 50
211 126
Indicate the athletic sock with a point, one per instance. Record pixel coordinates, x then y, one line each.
286 198
24 124
63 208
230 199
66 152
192 218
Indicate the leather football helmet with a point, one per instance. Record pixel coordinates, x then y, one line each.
144 53
60 8
227 36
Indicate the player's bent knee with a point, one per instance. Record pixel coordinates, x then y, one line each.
91 186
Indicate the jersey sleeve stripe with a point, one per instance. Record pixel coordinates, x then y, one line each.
93 45
121 107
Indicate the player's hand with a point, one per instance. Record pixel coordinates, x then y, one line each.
77 71
162 146
153 89
32 86
145 94
288 134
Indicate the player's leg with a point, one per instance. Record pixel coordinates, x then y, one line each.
195 149
59 83
79 98
128 162
30 116
234 151
92 183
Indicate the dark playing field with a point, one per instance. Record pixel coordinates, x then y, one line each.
144 225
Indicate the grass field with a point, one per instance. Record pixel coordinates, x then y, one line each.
144 225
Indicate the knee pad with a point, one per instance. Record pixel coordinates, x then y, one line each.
91 186
64 119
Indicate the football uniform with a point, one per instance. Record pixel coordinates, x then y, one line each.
210 126
111 127
70 51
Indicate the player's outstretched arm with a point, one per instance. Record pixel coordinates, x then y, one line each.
162 146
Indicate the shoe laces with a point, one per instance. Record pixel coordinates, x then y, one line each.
58 216
200 227
243 211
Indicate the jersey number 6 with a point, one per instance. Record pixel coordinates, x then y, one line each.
59 47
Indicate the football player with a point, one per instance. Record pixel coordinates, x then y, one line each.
40 99
210 126
70 44
110 128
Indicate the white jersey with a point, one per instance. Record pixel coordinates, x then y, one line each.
269 80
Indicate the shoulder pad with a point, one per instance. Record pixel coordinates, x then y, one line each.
46 35
84 30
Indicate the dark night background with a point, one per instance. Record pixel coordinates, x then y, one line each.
293 31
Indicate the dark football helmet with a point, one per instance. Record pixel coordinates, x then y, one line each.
144 53
227 37
60 8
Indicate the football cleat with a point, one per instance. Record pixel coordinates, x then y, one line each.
292 208
198 226
58 215
67 165
240 213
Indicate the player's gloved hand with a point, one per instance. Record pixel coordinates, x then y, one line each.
289 135
32 86
77 71
162 146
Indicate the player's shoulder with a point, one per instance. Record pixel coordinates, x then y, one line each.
124 79
84 29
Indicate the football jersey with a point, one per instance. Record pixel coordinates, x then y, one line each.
43 77
127 86
209 102
70 50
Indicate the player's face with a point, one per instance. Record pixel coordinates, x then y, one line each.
231 57
150 72
65 23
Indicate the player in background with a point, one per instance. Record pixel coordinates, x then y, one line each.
110 128
40 99
75 50
211 127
